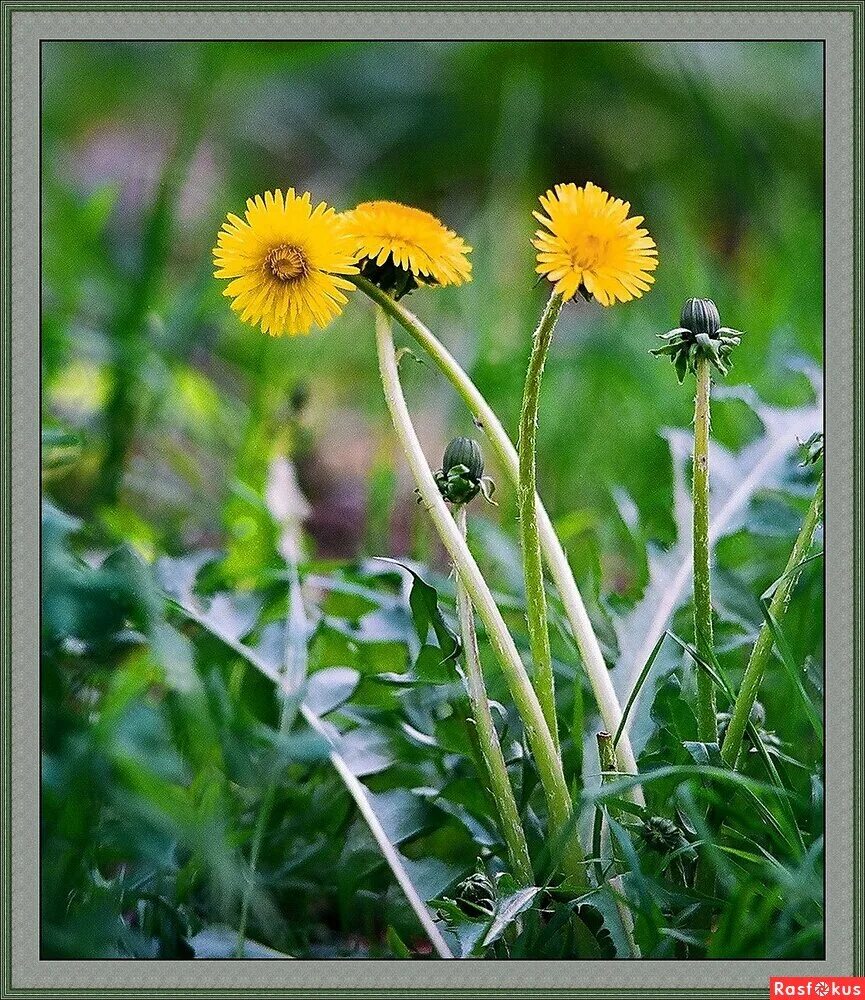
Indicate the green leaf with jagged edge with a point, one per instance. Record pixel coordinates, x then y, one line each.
766 463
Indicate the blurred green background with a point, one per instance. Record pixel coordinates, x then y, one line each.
147 146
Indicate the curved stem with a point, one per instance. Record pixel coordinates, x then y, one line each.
707 722
548 762
491 749
533 568
731 749
554 554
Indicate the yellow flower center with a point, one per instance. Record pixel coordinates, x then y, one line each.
287 263
588 252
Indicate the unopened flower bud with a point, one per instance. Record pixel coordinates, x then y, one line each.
476 894
461 476
701 316
661 834
699 336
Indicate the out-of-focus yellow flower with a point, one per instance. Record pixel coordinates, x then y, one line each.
285 260
399 247
593 245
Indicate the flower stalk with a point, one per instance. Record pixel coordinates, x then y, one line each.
533 567
707 722
698 344
554 554
609 773
543 749
731 749
488 740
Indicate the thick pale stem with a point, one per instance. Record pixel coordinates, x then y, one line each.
548 762
707 722
533 567
554 554
488 740
731 749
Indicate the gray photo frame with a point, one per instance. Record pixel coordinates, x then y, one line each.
839 28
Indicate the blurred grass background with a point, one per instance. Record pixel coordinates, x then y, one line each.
172 402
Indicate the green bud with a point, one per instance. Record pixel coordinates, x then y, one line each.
699 336
476 894
466 452
461 476
700 316
812 449
662 834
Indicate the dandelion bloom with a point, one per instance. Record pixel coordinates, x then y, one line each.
285 261
593 245
399 247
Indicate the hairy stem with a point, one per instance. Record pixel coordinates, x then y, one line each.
533 568
731 749
548 762
707 723
554 554
491 750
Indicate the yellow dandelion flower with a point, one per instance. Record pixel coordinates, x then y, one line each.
593 245
285 260
399 247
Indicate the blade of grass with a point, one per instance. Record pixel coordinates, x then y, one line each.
635 691
754 671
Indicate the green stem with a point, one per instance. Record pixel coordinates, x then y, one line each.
731 749
533 568
707 722
548 762
609 773
488 740
554 554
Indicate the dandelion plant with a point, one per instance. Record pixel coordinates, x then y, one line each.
588 245
540 740
460 479
697 345
553 551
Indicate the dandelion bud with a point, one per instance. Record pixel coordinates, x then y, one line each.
812 449
661 834
476 894
461 476
699 336
701 316
464 451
